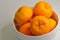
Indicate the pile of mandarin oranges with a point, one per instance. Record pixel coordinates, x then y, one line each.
35 21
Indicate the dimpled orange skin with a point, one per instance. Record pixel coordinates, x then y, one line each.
25 29
52 23
23 14
39 25
43 8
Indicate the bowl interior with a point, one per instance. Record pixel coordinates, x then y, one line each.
55 17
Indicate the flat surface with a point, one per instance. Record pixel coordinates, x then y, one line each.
7 10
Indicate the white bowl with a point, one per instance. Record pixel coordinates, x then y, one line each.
47 36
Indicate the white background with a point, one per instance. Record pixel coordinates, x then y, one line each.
8 9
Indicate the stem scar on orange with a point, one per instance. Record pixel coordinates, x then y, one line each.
39 25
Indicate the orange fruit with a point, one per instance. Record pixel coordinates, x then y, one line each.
25 29
23 14
39 25
52 23
43 8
